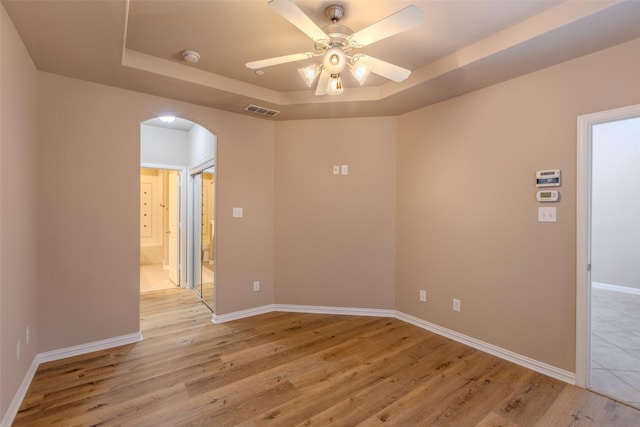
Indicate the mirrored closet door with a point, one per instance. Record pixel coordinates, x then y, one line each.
203 268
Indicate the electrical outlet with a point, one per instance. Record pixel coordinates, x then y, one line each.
256 285
423 296
27 336
456 304
18 350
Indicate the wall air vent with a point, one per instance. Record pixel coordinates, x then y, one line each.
261 110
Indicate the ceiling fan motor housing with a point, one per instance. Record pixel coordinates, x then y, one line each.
334 12
338 34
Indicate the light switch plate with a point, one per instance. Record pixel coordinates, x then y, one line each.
546 214
336 170
237 212
345 169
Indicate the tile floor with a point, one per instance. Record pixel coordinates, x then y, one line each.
615 345
153 277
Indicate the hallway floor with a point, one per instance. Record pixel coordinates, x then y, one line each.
153 277
615 345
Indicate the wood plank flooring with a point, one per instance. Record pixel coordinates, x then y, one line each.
289 369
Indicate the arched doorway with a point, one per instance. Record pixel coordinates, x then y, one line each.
184 154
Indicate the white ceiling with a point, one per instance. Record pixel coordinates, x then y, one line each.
463 46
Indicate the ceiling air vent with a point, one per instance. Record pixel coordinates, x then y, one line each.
261 110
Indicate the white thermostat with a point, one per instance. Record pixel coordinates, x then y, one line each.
548 178
547 196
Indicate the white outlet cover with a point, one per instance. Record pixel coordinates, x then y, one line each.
423 296
345 170
237 212
336 170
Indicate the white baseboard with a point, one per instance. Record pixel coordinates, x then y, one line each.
76 350
13 408
63 353
616 288
236 315
518 359
349 311
293 308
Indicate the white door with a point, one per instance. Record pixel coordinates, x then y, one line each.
174 229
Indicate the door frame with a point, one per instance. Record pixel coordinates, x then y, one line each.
583 233
184 278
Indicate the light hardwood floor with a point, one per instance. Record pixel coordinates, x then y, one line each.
286 369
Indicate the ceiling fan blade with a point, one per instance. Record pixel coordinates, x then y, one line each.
385 69
289 11
279 60
323 82
403 20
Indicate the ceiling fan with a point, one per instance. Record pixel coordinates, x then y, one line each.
335 43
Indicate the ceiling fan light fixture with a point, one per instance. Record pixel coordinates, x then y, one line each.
335 85
309 74
334 60
360 71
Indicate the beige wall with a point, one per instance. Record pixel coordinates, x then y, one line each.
467 215
18 210
89 287
335 235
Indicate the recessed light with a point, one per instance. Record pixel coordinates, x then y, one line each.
259 72
191 56
167 119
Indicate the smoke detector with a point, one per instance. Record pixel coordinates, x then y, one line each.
191 56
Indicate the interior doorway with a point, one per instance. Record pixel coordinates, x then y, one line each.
160 215
183 149
608 271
